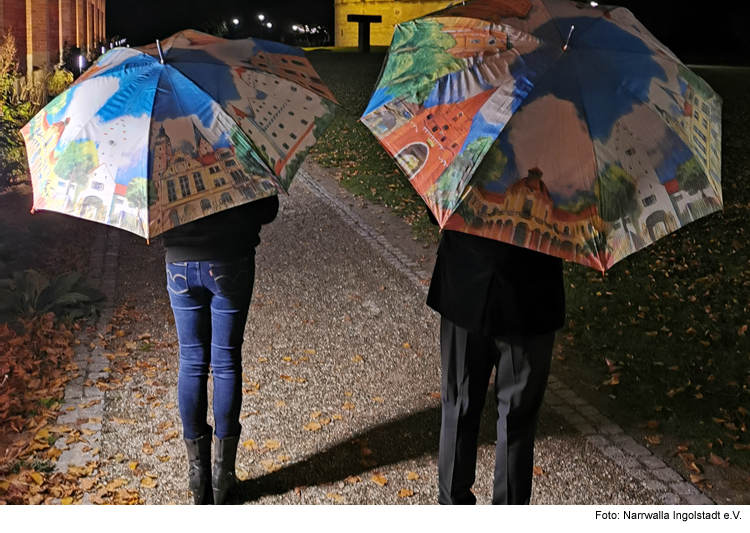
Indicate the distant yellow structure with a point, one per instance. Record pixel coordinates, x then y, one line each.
393 12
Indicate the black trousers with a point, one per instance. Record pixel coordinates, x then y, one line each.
467 360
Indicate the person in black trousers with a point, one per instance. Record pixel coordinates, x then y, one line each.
210 277
500 306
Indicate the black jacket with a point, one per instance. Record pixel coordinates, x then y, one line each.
228 235
496 289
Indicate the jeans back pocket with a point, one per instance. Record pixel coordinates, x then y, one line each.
232 278
177 278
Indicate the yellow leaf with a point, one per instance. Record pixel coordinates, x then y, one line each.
412 476
170 405
149 483
286 358
37 477
151 474
378 399
123 420
405 493
270 465
407 345
353 479
67 500
313 426
338 498
357 359
242 475
310 352
249 444
147 448
349 406
281 403
324 421
348 394
379 479
337 417
163 458
316 414
272 444
133 465
283 458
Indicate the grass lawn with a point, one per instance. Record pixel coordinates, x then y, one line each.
668 325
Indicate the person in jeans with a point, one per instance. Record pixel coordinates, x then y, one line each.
210 276
500 306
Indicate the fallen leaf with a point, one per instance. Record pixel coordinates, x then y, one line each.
270 465
353 479
435 395
283 458
349 406
163 458
272 444
357 359
412 476
718 461
313 426
379 479
653 439
695 478
378 399
281 403
338 498
406 345
310 352
37 477
337 417
149 483
316 414
67 500
539 471
405 493
147 448
123 420
249 444
652 424
133 465
242 475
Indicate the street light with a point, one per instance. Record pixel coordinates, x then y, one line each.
261 17
269 25
236 21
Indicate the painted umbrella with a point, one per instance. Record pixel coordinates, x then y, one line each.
556 126
151 138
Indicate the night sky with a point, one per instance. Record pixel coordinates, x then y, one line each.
714 32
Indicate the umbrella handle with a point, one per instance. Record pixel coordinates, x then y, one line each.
161 52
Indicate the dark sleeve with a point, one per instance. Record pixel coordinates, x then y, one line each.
432 217
267 209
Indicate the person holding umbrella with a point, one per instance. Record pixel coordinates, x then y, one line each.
500 306
210 275
168 139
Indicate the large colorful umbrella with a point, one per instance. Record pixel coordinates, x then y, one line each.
557 126
151 138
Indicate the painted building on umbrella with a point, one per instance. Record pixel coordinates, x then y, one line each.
525 215
431 139
190 186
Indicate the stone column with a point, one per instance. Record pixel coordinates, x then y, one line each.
67 9
80 23
37 35
89 26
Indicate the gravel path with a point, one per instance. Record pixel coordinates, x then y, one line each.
341 371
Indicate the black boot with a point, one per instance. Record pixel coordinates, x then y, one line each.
223 479
199 473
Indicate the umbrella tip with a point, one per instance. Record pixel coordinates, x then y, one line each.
161 51
148 242
33 210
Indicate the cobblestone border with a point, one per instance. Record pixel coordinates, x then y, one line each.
608 437
80 407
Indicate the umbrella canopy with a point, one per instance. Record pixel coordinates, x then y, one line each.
151 138
553 125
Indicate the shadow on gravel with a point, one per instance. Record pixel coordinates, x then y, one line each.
398 440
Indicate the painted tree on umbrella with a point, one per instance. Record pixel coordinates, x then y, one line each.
146 146
549 124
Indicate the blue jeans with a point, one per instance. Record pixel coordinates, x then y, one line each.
210 301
